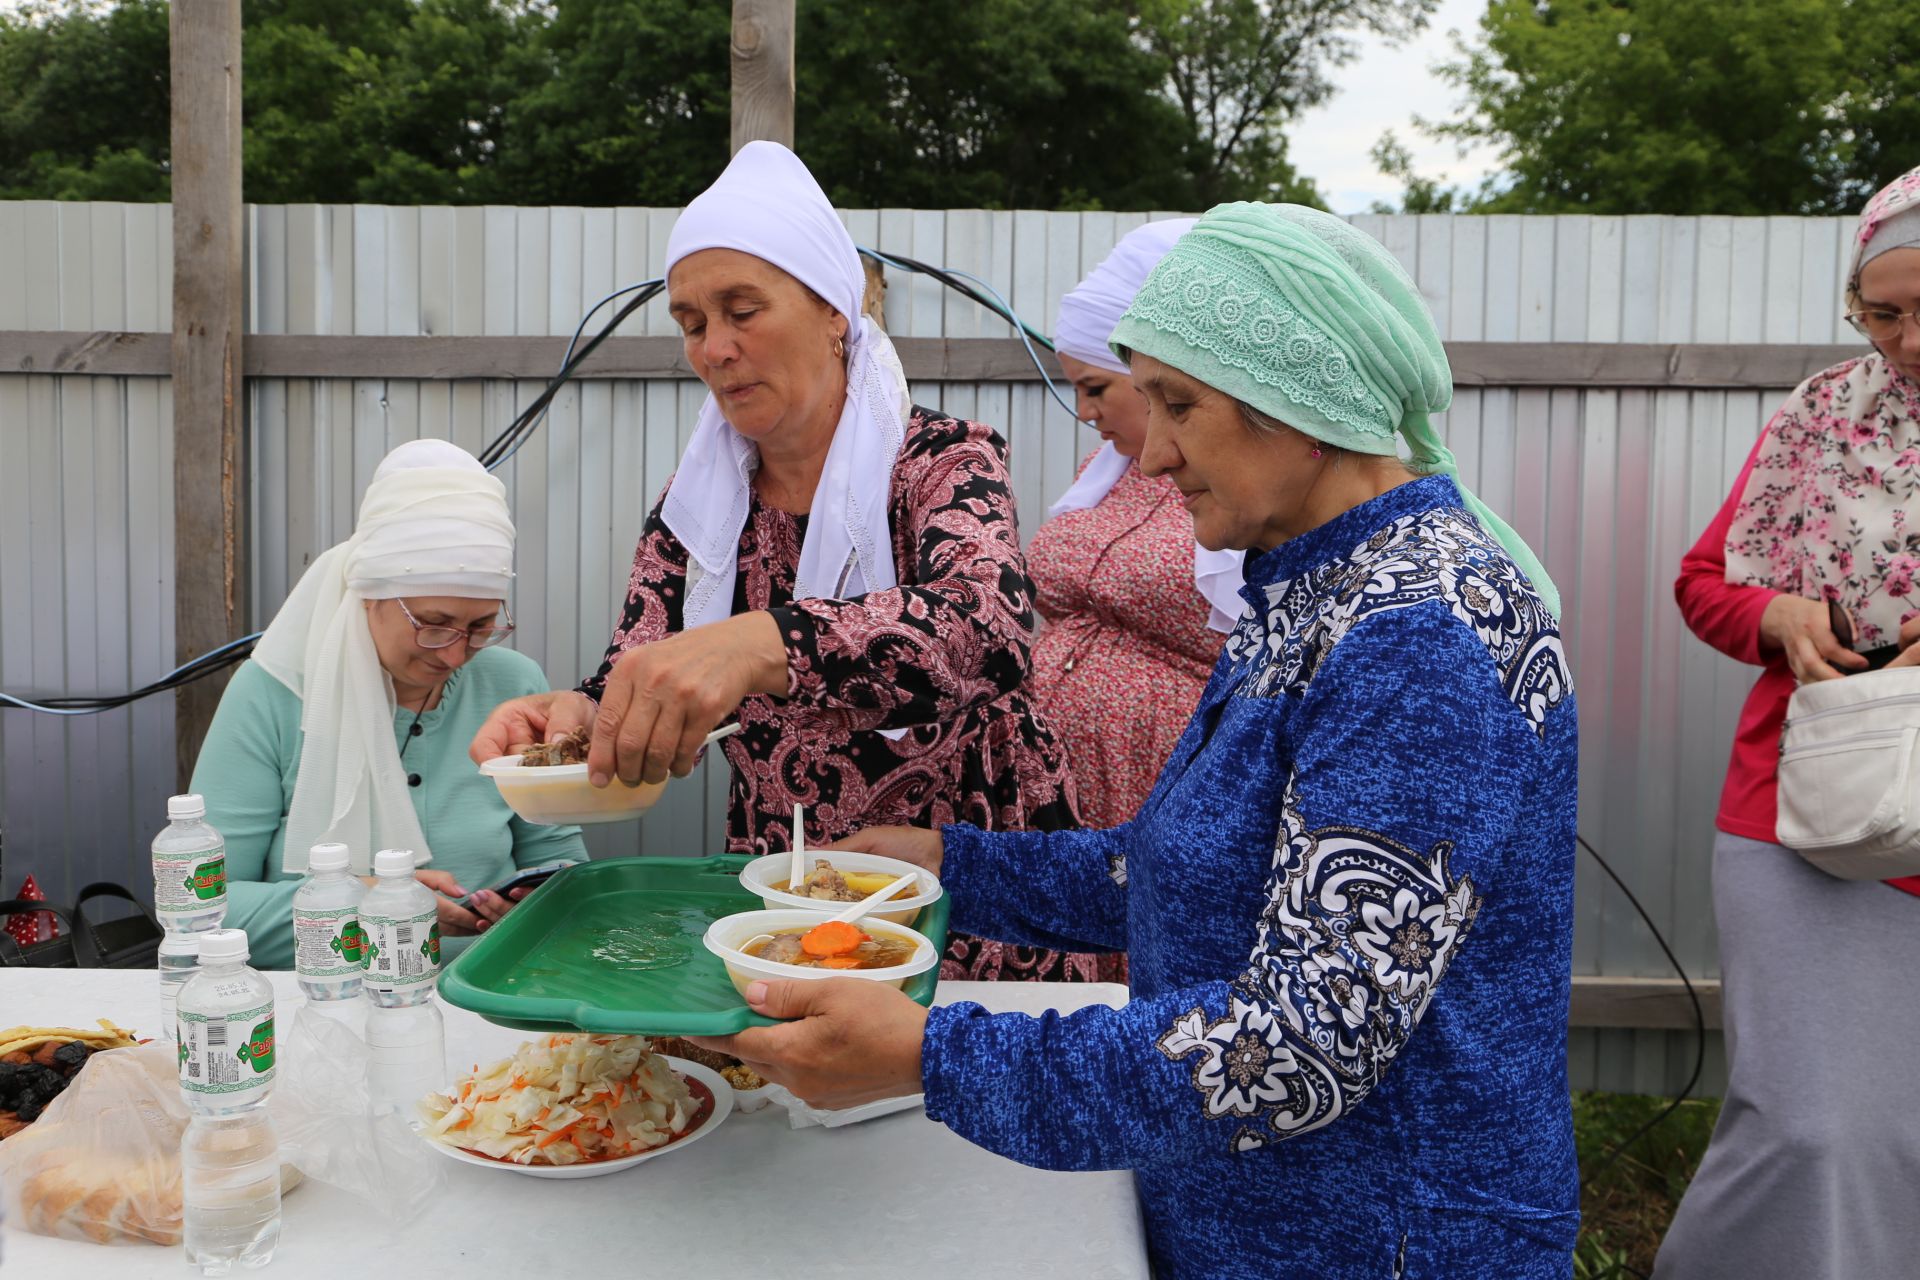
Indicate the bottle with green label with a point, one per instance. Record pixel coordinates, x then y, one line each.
230 1153
401 918
189 869
329 942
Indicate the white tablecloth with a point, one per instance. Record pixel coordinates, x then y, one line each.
754 1198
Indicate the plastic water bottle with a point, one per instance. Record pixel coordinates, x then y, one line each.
179 961
402 922
189 869
229 1155
329 943
407 1054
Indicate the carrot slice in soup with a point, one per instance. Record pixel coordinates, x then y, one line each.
832 938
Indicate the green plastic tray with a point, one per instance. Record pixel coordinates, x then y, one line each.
614 947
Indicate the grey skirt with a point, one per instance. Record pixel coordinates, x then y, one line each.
1815 1162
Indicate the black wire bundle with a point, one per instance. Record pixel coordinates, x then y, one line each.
521 429
227 655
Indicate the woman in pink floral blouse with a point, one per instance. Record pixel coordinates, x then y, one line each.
834 566
1136 612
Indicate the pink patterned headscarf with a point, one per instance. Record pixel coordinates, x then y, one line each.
1832 506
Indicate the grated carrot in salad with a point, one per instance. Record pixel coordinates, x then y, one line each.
564 1099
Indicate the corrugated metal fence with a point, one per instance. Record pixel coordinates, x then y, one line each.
1611 485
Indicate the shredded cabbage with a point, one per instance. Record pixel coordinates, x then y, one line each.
564 1099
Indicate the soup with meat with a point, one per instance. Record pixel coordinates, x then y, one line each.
829 884
832 945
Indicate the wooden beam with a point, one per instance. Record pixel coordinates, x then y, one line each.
1658 1004
1693 366
762 50
1681 367
205 354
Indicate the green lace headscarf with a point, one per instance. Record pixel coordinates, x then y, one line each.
1310 321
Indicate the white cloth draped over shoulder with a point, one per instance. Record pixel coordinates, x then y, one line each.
1088 313
432 523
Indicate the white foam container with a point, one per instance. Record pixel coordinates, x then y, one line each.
759 876
725 936
560 795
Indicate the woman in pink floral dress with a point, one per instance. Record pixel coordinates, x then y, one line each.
1136 612
834 567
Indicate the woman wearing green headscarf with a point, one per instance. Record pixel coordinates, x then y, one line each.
1348 899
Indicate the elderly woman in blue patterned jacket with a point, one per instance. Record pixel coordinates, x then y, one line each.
1348 899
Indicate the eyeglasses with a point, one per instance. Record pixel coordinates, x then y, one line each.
1882 324
442 637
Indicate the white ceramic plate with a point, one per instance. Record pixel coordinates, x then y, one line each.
722 1106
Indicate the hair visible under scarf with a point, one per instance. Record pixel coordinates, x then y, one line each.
1826 511
768 205
432 523
1087 315
1296 313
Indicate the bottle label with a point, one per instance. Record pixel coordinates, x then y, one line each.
328 942
229 1056
190 883
402 952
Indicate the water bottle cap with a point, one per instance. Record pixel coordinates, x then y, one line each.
327 857
180 944
218 946
186 807
393 862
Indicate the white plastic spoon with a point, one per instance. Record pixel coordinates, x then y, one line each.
797 875
875 898
724 731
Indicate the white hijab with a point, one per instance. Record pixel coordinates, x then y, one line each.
433 523
1087 316
767 204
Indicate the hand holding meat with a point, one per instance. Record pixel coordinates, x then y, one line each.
663 698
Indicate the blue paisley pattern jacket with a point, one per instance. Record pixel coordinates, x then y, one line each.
1348 908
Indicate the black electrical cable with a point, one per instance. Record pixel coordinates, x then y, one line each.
1699 1027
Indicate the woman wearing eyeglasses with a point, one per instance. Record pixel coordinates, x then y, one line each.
351 721
1812 571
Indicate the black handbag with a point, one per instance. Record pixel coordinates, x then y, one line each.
65 951
131 942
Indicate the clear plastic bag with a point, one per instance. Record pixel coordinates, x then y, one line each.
332 1130
103 1161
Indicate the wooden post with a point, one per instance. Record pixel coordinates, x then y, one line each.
209 549
762 72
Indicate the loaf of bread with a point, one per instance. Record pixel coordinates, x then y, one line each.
105 1198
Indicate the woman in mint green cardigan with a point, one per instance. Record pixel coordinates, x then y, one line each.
351 721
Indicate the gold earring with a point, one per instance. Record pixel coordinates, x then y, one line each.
839 348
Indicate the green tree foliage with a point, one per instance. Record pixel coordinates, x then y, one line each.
1126 104
1240 69
1713 106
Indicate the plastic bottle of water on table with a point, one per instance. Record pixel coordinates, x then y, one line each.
405 1032
179 961
229 1155
329 942
189 869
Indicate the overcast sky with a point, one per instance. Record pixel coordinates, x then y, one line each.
1382 89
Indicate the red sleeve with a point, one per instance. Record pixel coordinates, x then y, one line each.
1725 616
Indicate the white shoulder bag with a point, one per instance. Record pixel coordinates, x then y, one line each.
1850 775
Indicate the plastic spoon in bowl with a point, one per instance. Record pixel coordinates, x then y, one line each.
852 913
875 898
724 731
797 875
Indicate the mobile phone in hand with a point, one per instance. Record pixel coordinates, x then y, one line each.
1842 623
530 878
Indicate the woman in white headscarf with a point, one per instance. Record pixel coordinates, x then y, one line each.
1136 610
350 722
835 566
